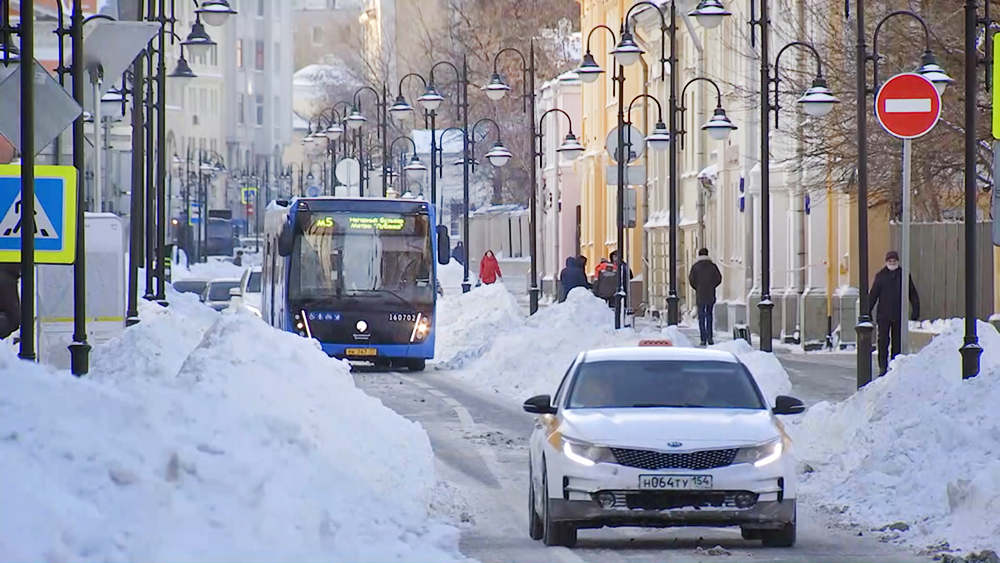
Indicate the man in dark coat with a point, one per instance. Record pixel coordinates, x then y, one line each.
887 292
704 278
10 299
458 253
572 276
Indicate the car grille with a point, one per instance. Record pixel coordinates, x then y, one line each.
671 500
647 459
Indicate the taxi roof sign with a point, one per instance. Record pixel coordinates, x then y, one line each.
55 214
655 342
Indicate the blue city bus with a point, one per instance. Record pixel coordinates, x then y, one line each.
356 274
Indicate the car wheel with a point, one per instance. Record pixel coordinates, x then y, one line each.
535 524
784 537
554 533
416 364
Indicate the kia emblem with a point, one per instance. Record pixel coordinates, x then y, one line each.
675 444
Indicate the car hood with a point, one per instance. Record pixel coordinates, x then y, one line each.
663 428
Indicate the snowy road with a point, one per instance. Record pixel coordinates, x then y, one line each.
480 446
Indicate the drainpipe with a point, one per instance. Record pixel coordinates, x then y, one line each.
800 211
646 188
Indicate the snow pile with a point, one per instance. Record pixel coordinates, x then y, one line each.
211 270
191 442
766 369
936 326
531 358
450 277
468 324
919 446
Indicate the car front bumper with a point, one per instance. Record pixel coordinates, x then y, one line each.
589 514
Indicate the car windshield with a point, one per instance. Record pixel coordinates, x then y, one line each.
664 383
253 284
219 291
190 286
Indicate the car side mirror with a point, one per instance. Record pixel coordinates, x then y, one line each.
285 241
540 404
788 405
235 292
443 244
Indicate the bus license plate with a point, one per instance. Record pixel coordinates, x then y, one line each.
674 482
362 352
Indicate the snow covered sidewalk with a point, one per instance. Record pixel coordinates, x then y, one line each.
917 450
210 437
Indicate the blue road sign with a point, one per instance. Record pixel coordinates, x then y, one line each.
55 214
248 195
312 191
194 213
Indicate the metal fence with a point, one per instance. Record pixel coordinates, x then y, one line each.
937 264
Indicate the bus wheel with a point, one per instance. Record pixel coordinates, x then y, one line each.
416 364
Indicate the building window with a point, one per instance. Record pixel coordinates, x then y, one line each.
213 54
331 4
260 109
240 109
317 35
239 53
260 8
259 56
276 53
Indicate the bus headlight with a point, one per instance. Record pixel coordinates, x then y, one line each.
302 324
421 328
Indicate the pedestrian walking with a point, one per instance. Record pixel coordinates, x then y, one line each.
458 253
10 299
887 293
572 277
489 269
238 261
705 277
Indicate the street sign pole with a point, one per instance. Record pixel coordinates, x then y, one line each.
904 250
907 106
27 36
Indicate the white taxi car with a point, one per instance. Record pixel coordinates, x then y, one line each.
657 436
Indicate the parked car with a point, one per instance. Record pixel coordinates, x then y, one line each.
657 436
191 285
217 293
248 293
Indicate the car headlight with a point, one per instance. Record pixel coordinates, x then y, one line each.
761 455
586 454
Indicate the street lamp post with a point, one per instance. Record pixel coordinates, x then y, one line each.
356 119
495 90
498 157
932 72
414 168
817 102
710 14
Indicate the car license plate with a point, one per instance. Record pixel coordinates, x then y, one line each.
361 352
674 482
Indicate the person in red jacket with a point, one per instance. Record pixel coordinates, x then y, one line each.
489 269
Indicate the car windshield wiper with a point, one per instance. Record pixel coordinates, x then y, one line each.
377 292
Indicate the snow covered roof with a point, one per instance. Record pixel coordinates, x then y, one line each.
321 74
299 123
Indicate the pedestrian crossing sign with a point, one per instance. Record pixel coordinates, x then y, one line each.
55 214
249 195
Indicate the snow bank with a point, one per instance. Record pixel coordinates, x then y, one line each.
936 326
919 446
766 369
531 358
191 441
213 269
450 276
468 324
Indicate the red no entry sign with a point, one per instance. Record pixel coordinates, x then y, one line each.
907 106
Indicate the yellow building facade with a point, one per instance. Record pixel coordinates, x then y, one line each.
598 221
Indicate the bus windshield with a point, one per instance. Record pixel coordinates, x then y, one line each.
358 254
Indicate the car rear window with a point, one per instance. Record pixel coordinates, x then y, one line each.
219 291
190 286
664 383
